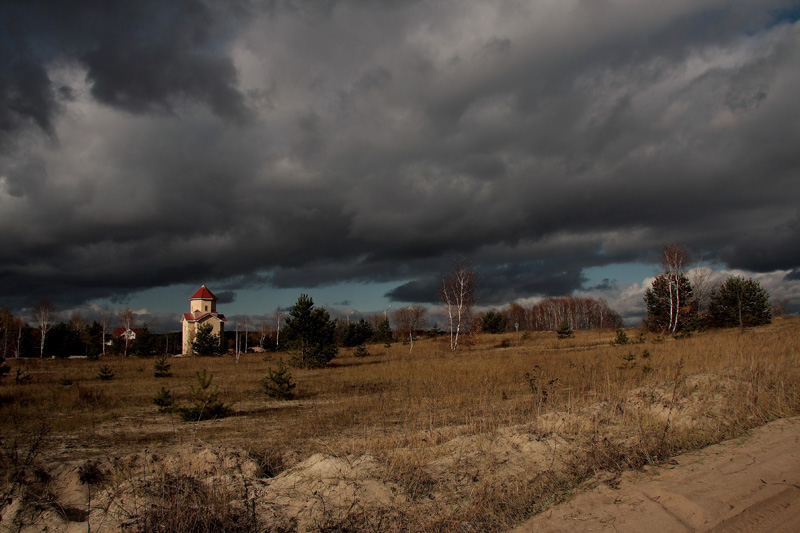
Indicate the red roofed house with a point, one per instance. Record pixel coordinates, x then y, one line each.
202 310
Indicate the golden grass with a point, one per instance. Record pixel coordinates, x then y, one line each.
612 407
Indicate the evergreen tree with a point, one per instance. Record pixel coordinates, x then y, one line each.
435 331
164 400
384 333
493 322
739 302
162 367
356 333
205 342
105 373
207 405
143 343
278 383
564 331
660 309
310 334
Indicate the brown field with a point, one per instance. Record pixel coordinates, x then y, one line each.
432 440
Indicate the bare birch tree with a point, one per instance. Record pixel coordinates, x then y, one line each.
246 332
264 330
458 295
20 330
704 278
238 350
127 319
407 320
43 314
104 319
674 259
236 343
277 326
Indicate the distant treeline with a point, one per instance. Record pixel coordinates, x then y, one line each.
550 313
78 337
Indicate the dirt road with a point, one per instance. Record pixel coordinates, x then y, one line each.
748 484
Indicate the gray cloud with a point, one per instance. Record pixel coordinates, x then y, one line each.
299 144
225 297
139 56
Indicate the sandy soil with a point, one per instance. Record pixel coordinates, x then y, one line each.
748 484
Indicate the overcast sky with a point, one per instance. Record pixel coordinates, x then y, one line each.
353 149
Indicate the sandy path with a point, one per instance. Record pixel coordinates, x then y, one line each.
749 484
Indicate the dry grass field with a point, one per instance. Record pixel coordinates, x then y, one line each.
432 440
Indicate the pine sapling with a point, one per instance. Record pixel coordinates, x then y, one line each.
278 383
162 367
105 373
361 351
564 331
206 401
164 400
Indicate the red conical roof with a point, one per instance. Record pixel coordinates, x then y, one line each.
203 294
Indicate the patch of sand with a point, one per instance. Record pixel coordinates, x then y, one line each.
746 484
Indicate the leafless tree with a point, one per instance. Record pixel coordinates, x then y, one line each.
780 307
6 329
236 343
20 329
458 295
674 260
80 326
517 316
578 312
264 330
127 319
407 320
246 332
245 323
104 319
277 326
11 328
704 278
43 314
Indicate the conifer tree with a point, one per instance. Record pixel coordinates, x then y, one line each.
205 342
662 315
564 331
740 302
310 334
384 333
162 367
278 383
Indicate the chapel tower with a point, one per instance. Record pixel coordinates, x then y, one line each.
202 310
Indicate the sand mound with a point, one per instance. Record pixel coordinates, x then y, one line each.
324 489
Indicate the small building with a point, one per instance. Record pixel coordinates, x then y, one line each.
202 311
122 333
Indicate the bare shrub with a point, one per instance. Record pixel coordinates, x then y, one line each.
180 502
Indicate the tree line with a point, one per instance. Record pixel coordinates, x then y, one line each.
79 337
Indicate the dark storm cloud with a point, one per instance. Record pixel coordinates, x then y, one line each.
772 248
225 297
303 144
139 56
